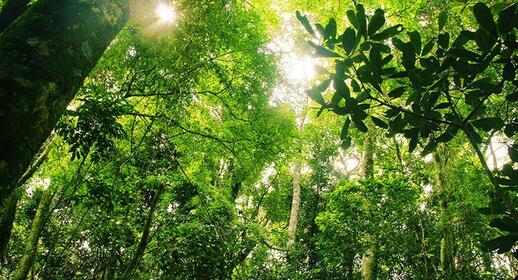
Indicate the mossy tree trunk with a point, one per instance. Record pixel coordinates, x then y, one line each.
7 220
45 55
445 246
38 223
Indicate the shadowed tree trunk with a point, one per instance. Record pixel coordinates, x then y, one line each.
7 220
45 55
11 10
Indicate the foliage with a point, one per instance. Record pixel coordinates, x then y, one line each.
428 88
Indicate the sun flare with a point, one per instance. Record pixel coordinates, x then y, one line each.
165 13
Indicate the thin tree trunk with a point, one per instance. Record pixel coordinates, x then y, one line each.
445 254
7 220
144 240
45 55
38 223
295 202
369 265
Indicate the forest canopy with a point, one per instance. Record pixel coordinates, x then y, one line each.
210 139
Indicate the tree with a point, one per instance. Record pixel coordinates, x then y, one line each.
436 88
46 54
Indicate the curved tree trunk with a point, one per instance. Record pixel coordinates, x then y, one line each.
45 55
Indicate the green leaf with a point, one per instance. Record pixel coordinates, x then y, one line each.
305 22
388 33
488 124
316 92
379 122
346 143
444 40
415 39
360 125
505 223
509 73
341 88
397 92
376 21
506 19
323 52
428 47
448 134
345 129
362 20
351 16
484 17
484 41
349 40
443 18
502 243
330 30
430 147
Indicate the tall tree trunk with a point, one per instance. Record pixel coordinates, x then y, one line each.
144 240
295 201
7 220
38 223
45 55
369 265
11 10
445 254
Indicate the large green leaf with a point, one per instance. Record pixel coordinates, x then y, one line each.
388 33
351 16
484 17
507 19
362 20
415 40
349 40
330 30
316 92
376 21
305 22
488 124
323 52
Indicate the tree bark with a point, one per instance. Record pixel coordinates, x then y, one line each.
44 57
445 254
295 201
11 10
369 265
38 223
7 220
